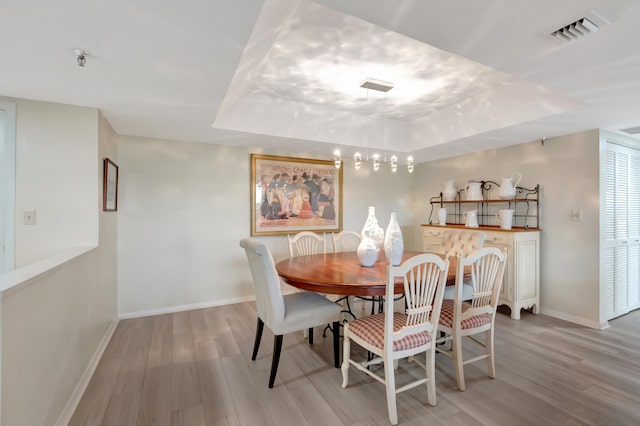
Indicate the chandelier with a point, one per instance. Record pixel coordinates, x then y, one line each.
375 160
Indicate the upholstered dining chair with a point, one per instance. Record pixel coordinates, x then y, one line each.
285 314
462 318
306 242
394 335
456 242
345 241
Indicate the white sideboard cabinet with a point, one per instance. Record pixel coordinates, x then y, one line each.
521 284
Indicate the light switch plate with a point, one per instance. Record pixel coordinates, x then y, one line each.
30 217
576 215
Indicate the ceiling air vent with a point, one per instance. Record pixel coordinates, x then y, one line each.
631 130
575 30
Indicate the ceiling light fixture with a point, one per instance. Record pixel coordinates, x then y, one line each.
379 86
81 57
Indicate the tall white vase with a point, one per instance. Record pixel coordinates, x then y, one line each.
372 230
393 242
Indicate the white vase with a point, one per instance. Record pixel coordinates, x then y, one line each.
442 216
367 252
393 242
373 230
449 191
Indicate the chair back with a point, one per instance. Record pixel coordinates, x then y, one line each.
486 270
345 241
266 283
424 277
458 243
306 242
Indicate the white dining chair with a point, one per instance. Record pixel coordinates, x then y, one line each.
306 242
285 314
459 243
393 335
461 318
345 241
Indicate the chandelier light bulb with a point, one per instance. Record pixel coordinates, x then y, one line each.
376 162
337 158
410 164
357 160
393 162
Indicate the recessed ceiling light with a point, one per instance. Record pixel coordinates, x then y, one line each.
375 84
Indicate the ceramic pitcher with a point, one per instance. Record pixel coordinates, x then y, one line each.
506 218
508 187
471 218
474 191
449 190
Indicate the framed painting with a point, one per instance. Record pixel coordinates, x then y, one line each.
110 186
289 195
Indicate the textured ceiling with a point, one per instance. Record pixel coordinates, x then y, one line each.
271 74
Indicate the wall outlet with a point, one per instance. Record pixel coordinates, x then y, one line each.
30 217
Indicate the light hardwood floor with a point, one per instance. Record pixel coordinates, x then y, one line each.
195 368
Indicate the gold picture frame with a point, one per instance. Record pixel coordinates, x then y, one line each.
289 195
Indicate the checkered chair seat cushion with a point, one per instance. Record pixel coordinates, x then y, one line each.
446 316
371 329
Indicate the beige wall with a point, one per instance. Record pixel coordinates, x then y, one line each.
184 208
54 324
567 169
56 146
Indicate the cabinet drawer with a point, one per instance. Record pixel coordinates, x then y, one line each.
432 233
499 238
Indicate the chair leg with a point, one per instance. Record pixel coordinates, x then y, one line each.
256 344
310 335
491 364
277 347
346 349
456 347
430 364
336 344
390 382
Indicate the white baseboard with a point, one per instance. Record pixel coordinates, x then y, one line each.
180 308
576 320
74 400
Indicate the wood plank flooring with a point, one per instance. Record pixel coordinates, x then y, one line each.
194 368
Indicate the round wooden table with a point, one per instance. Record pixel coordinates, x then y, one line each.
342 274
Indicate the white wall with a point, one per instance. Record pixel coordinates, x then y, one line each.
54 325
185 206
567 169
55 176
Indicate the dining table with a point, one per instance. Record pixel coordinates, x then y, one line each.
341 274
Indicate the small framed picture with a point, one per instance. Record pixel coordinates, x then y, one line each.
290 195
110 186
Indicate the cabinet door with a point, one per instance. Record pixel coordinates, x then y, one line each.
525 264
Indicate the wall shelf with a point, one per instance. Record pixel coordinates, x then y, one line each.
525 204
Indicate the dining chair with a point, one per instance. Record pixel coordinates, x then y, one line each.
345 241
462 318
306 242
392 335
459 243
285 314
